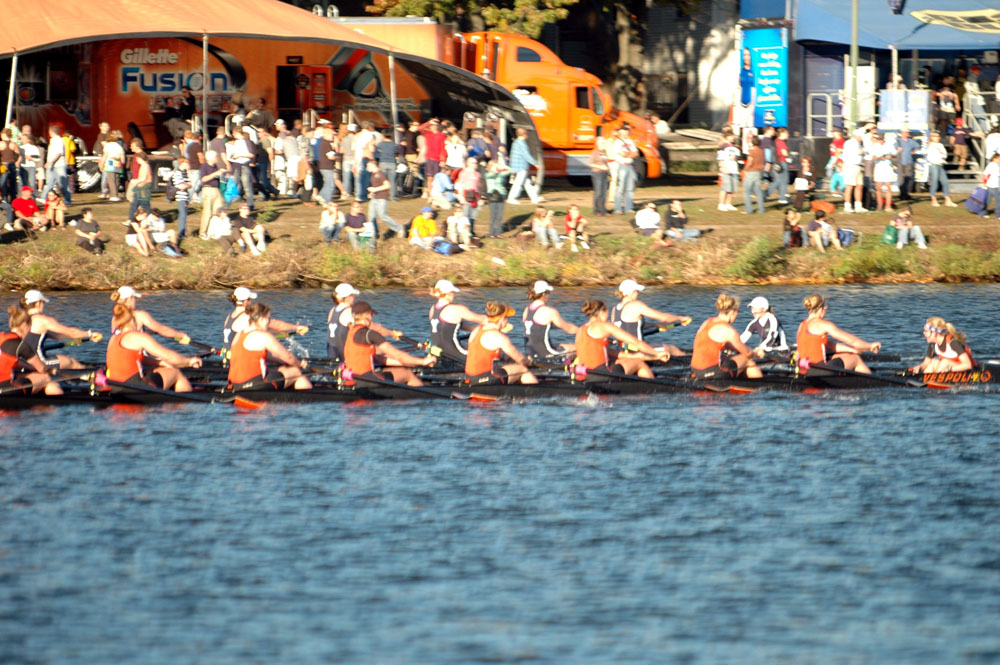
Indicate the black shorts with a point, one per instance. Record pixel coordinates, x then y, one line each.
497 376
726 369
647 232
152 379
837 363
273 379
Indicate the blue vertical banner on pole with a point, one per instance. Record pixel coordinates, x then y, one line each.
768 49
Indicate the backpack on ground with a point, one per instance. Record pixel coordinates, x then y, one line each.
446 247
976 203
890 235
846 236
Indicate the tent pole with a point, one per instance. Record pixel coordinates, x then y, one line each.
10 90
392 97
895 65
854 64
915 73
204 92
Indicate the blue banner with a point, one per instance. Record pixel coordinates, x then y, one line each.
766 50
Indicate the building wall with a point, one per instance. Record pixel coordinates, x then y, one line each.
697 53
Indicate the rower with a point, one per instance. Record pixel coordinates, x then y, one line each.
766 326
364 346
128 347
486 344
237 320
538 318
19 366
592 344
340 318
946 349
33 303
715 336
447 319
126 295
630 311
251 349
814 343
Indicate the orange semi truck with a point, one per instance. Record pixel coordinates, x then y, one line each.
568 105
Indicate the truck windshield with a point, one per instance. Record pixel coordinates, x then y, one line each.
527 55
598 104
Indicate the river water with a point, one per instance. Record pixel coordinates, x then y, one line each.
847 527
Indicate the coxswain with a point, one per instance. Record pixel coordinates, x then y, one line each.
592 344
767 327
447 319
364 346
815 346
254 346
41 326
339 320
538 318
715 336
126 295
237 320
946 349
129 346
19 366
486 345
629 313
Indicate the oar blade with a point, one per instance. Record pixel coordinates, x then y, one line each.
244 403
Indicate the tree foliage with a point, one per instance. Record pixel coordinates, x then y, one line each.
526 17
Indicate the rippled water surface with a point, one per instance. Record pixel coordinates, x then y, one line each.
839 527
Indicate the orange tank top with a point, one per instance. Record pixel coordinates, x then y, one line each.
591 352
480 359
359 358
244 364
811 347
122 363
8 361
707 352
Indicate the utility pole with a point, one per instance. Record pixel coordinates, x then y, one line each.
854 65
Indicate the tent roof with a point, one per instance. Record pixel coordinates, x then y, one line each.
53 24
923 25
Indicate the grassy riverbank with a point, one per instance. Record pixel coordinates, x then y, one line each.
740 249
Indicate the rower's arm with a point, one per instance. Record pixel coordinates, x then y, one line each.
278 352
630 340
385 332
665 317
157 350
402 357
146 320
53 326
731 337
562 324
278 325
466 314
852 343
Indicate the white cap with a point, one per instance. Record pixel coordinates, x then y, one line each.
760 302
127 292
630 286
323 121
445 286
541 286
344 289
279 121
352 127
243 293
33 296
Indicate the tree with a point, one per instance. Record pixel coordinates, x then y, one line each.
526 17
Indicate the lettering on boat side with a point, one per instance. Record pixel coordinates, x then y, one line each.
969 376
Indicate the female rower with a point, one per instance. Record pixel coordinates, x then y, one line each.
538 318
33 303
236 320
946 349
340 318
19 366
629 313
251 349
447 319
128 347
766 326
364 346
592 344
814 343
716 335
126 295
486 343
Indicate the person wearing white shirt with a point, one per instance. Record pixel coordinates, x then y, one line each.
991 181
937 179
854 180
240 155
459 229
729 172
647 222
992 144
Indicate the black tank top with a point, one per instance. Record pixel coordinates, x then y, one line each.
444 334
337 334
536 337
632 328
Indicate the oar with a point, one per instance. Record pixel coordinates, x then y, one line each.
429 392
646 332
51 346
683 385
236 400
211 350
431 349
76 376
891 380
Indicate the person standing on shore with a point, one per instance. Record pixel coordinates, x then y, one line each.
753 175
496 194
599 173
211 198
729 172
521 161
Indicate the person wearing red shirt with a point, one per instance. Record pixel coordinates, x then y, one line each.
433 147
27 216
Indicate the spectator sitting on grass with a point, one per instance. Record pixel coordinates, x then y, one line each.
442 191
647 222
88 233
906 230
221 228
423 229
148 230
459 227
251 233
356 225
27 216
55 209
331 222
544 229
676 222
822 232
576 227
